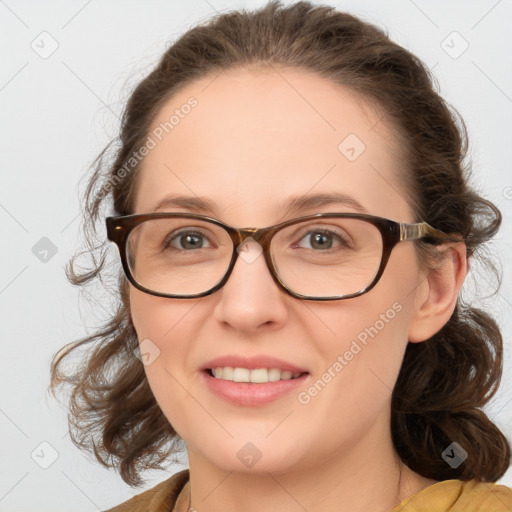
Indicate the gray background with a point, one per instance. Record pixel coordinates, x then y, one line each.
59 110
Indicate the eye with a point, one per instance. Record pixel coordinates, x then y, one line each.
324 239
185 240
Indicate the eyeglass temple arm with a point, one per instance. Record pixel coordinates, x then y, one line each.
424 230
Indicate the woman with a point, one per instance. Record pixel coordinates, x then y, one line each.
325 360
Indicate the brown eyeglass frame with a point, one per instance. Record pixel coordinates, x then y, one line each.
392 232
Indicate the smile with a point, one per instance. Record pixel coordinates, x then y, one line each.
258 375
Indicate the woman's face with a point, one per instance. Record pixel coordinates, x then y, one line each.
254 139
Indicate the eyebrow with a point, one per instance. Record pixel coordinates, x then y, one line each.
291 205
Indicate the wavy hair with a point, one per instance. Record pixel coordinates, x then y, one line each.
112 411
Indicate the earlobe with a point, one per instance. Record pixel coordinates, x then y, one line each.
443 285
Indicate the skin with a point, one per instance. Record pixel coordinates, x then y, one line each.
256 137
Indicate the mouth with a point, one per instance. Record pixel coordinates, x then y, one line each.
254 387
253 376
252 381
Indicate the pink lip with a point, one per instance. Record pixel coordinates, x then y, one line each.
252 363
250 394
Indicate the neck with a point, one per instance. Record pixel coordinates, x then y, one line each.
368 476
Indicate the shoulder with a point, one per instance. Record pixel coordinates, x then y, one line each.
161 497
459 496
485 497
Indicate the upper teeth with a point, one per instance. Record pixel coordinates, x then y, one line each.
259 375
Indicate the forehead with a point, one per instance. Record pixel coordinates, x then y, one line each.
248 138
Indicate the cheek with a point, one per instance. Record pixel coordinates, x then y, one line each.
369 336
157 317
160 324
355 386
157 321
372 341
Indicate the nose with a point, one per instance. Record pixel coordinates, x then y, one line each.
251 298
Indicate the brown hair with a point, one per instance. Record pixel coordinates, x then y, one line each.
113 412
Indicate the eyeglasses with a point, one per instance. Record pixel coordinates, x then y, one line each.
326 256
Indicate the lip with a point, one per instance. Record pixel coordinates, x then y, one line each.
252 363
251 394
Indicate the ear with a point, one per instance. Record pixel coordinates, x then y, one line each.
441 290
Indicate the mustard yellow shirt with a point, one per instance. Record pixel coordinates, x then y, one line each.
459 496
445 496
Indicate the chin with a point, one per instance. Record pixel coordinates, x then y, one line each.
252 457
